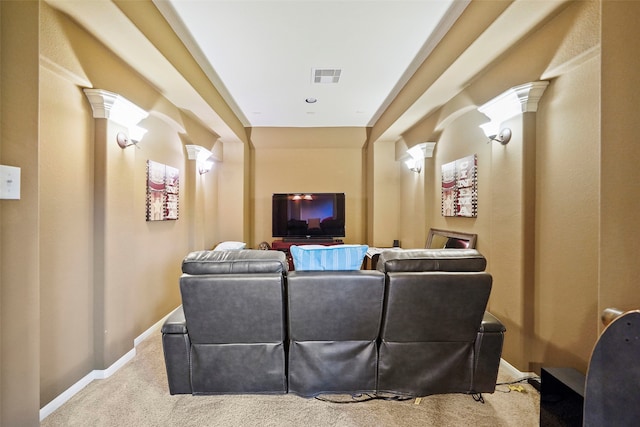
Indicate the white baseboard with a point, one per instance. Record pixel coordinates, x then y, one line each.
66 395
513 371
99 374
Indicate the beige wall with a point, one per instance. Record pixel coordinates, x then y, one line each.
554 214
383 197
78 240
567 210
412 212
298 160
19 272
233 208
619 158
66 239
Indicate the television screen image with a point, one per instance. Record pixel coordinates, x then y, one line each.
308 215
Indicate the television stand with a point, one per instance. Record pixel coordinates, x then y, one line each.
284 245
310 240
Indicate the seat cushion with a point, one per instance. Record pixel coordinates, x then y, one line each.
425 368
317 367
238 368
318 257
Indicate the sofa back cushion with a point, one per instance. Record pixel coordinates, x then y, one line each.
318 257
435 306
234 262
234 308
335 306
414 260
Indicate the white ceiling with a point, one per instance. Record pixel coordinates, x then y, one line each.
259 55
263 53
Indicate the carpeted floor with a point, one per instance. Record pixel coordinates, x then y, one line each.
137 395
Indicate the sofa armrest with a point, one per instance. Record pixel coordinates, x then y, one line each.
176 346
175 323
490 323
488 351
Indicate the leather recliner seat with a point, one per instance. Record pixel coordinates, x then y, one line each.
229 334
416 326
334 320
436 336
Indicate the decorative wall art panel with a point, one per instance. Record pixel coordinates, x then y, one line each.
449 193
460 187
163 184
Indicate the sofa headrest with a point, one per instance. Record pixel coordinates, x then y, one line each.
454 260
234 262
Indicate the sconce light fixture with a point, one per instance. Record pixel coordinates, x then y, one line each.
500 109
202 156
129 115
414 165
204 167
517 100
503 136
417 154
125 141
109 105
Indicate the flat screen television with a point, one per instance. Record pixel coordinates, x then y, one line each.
308 215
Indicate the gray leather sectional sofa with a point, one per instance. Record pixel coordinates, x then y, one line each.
415 326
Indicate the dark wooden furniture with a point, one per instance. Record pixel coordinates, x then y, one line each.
445 239
371 259
561 397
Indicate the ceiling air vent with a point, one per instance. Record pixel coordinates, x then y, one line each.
326 75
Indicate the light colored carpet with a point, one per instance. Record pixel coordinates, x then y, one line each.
138 395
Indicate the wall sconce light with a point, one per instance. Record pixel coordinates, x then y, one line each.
517 100
129 115
503 137
205 166
494 133
109 105
202 156
499 110
417 154
414 165
136 133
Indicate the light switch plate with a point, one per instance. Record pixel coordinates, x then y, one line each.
9 182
